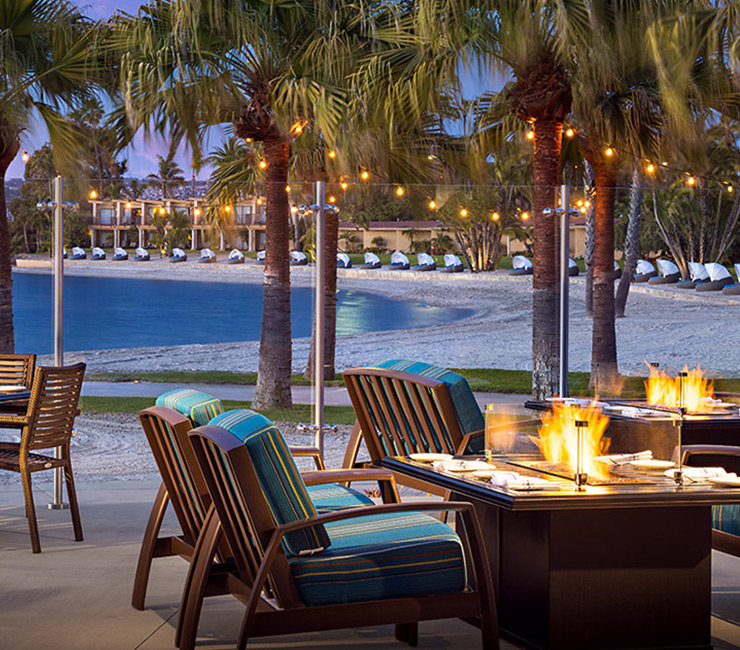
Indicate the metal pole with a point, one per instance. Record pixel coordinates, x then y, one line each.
319 342
564 259
58 504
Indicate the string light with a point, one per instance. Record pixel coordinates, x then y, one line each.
691 181
227 208
343 186
463 213
332 199
247 140
263 164
729 188
365 175
25 156
587 204
93 194
530 135
293 209
432 205
495 216
579 202
525 216
332 154
400 191
287 188
650 168
259 201
609 152
197 212
128 205
570 133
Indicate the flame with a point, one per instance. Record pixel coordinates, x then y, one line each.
662 390
558 437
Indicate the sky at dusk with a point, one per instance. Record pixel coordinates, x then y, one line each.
142 154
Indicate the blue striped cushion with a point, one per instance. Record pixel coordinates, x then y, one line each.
726 518
280 480
332 496
199 407
382 556
469 415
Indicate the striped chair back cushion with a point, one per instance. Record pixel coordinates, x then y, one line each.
468 412
199 407
285 492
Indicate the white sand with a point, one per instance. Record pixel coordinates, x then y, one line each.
663 325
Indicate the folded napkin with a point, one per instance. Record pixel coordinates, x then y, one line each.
624 459
515 481
699 474
458 465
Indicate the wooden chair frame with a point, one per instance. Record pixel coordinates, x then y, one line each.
721 541
242 515
17 369
397 411
47 424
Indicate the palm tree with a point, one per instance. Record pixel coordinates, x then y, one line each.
259 66
168 177
48 61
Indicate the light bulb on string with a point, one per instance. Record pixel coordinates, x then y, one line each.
570 133
365 175
93 194
495 216
332 154
263 164
691 181
530 135
525 216
25 156
650 169
463 213
400 191
343 186
608 152
432 205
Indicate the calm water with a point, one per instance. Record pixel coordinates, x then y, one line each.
101 313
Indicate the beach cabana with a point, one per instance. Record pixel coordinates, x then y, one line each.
425 263
298 258
261 257
372 261
521 266
668 273
719 278
399 262
207 256
97 253
178 255
733 289
119 254
617 270
452 264
644 270
573 269
698 274
235 257
78 253
142 255
343 261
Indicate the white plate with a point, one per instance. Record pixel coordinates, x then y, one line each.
465 466
430 458
483 473
725 481
13 388
653 464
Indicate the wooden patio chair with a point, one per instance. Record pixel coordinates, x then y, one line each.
17 369
47 424
400 413
726 518
364 566
184 488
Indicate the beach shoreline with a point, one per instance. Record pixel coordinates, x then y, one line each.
663 325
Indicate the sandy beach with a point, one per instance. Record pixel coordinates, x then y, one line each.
663 325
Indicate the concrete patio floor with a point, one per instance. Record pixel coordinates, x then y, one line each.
76 595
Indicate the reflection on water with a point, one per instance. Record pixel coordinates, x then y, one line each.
102 313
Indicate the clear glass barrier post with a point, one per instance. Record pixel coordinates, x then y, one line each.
319 315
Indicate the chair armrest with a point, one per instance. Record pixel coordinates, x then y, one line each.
706 450
728 397
383 477
499 427
465 442
13 421
310 452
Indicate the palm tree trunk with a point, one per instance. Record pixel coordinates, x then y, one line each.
631 244
331 240
604 370
275 362
8 149
588 255
545 352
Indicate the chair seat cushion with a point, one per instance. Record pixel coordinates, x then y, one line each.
199 407
382 556
332 496
726 518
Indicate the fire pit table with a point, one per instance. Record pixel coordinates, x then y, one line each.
625 565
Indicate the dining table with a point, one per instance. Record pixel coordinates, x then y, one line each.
14 399
624 565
